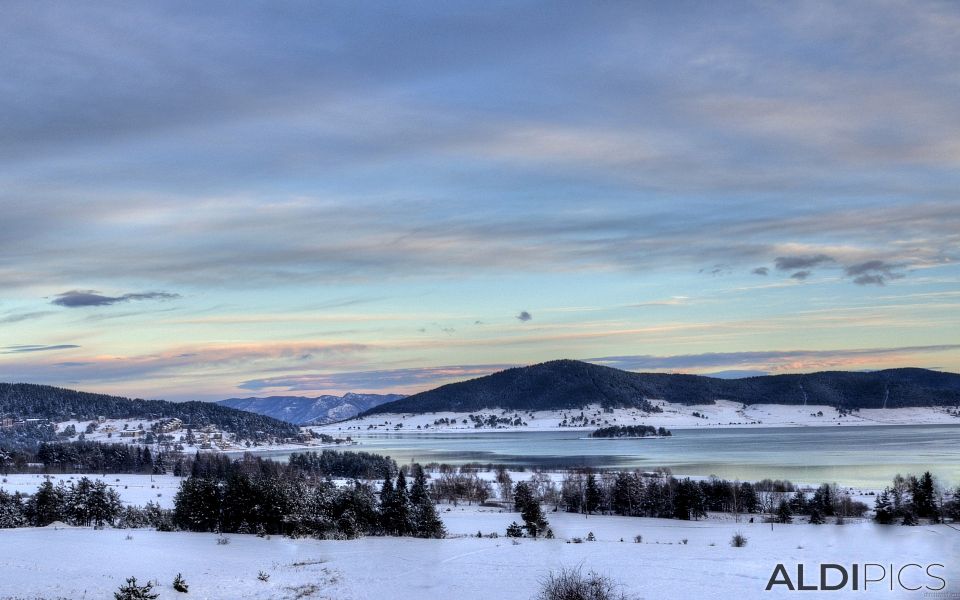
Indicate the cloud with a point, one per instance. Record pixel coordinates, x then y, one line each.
790 263
36 348
801 275
387 379
18 317
524 316
83 298
774 360
178 361
741 364
872 272
761 271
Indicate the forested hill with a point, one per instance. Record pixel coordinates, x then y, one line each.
566 384
26 401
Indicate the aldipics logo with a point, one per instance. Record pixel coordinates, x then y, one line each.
872 577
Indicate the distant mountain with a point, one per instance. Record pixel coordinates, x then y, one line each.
570 384
301 410
28 401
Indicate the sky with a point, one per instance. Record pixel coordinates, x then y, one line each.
217 199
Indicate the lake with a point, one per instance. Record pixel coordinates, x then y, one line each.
856 456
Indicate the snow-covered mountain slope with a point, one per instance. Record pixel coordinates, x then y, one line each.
301 410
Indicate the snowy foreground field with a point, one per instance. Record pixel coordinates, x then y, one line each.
674 416
674 560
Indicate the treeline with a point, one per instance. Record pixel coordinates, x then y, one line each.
277 503
26 400
912 498
351 465
639 494
619 431
93 457
82 503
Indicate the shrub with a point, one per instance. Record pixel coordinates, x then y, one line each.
262 576
571 584
179 584
514 530
591 537
223 541
738 540
638 539
132 591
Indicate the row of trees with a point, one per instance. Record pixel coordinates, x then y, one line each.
82 503
912 498
289 503
663 496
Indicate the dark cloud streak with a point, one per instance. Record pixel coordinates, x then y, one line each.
84 298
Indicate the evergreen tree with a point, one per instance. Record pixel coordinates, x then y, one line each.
815 517
524 501
592 495
426 522
924 496
514 530
132 591
47 505
824 499
198 504
883 508
784 515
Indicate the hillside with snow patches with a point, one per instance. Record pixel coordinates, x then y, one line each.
571 384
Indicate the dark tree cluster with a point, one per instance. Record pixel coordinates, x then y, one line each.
641 494
912 498
528 506
278 500
82 503
96 457
351 465
632 431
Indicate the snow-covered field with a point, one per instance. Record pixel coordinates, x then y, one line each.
133 489
674 560
674 416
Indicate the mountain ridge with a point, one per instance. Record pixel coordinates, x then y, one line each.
568 384
304 410
35 401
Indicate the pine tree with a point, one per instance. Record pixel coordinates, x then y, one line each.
180 585
815 517
592 495
132 591
426 522
784 515
47 505
524 502
883 509
514 530
924 496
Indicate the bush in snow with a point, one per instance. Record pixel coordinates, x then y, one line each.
571 584
738 540
179 584
514 530
131 591
262 576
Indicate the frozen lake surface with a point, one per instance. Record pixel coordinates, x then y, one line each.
855 456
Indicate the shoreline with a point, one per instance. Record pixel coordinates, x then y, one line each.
723 414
